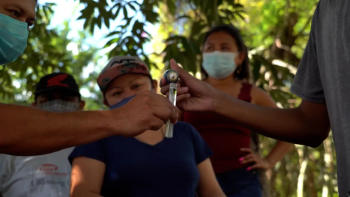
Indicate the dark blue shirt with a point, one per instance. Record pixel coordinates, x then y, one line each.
135 169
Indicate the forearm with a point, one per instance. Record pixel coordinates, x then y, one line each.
216 193
211 194
85 194
278 152
307 124
26 130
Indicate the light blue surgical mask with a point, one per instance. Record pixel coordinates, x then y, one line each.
219 65
13 38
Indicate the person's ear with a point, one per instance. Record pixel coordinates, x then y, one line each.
240 57
81 105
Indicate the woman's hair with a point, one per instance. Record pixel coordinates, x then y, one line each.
242 71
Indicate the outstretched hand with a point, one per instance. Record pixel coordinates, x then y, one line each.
192 94
146 111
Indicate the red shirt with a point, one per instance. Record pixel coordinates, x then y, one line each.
223 135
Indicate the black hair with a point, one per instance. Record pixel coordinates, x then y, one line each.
242 71
62 92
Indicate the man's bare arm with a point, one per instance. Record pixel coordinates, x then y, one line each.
307 124
26 130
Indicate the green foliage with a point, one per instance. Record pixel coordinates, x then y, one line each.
129 36
46 53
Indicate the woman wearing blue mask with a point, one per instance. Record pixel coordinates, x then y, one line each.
148 164
225 66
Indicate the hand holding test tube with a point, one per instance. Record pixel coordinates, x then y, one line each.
171 78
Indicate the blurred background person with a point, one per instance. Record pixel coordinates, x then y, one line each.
45 175
235 158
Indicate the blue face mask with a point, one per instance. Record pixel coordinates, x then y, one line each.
121 103
13 38
59 105
219 65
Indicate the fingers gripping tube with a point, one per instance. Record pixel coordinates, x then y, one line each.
171 78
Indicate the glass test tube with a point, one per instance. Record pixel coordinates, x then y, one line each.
171 77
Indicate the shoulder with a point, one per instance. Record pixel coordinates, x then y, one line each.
258 92
187 130
201 150
260 97
181 126
102 145
94 150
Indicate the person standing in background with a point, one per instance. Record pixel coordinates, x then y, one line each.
226 67
45 175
